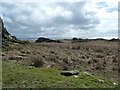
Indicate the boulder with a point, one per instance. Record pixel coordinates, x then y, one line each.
70 73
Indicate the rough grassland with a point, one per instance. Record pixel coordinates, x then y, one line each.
16 75
98 58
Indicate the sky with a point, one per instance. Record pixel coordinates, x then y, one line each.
63 19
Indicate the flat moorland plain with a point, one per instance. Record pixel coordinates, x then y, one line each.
40 64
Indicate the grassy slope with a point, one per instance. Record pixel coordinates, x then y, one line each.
16 75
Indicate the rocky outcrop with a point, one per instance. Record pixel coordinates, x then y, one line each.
5 34
76 40
6 37
42 39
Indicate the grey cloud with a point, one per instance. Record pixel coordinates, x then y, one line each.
79 16
29 18
111 33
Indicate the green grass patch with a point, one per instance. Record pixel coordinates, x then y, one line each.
19 75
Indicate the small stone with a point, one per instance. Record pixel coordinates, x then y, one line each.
114 83
87 73
100 80
30 67
48 66
75 76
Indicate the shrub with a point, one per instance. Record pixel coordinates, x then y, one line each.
99 50
52 58
52 52
83 57
95 61
99 67
89 62
99 56
37 61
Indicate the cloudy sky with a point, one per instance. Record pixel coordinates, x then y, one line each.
61 19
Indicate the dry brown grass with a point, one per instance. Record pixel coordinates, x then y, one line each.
37 61
97 56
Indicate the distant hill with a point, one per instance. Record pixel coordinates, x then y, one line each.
97 39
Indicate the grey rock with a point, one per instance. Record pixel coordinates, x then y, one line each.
42 39
70 73
87 73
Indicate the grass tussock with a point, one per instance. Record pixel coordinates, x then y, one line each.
37 61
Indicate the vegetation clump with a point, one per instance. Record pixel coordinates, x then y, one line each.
37 61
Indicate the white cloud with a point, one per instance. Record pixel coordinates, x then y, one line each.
61 19
108 15
61 1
